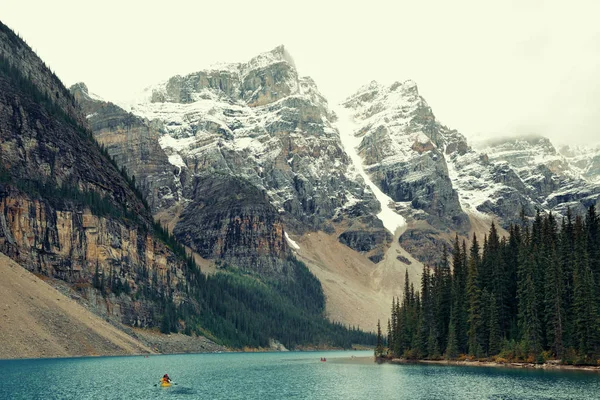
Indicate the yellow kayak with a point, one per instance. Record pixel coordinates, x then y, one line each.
165 384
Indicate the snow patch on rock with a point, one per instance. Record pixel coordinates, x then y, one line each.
347 129
293 244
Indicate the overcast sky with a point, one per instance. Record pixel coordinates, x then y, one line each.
487 68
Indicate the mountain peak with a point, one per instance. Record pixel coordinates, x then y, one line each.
80 91
408 86
79 87
278 54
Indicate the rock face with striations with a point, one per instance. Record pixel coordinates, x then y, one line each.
540 175
260 131
65 211
402 145
232 220
133 143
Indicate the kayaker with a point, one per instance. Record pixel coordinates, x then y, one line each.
165 379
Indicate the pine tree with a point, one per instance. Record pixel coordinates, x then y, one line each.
592 228
452 346
459 292
495 335
426 323
474 301
390 337
562 317
511 262
584 302
554 302
529 319
379 346
443 300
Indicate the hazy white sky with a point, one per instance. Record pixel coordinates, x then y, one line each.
486 67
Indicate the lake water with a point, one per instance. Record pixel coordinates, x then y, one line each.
280 376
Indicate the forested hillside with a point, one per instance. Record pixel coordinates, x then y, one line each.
531 296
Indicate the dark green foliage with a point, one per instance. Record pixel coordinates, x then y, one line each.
525 297
379 345
243 311
476 326
61 197
47 102
452 347
27 86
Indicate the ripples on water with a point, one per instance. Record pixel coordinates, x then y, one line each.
281 376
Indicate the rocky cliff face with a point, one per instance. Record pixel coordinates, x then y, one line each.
91 252
65 211
585 160
255 129
403 149
231 220
541 175
436 177
133 143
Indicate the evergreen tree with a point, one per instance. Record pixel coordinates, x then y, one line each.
554 302
474 301
459 292
495 335
452 346
443 301
379 346
558 315
584 302
426 323
592 228
529 321
390 337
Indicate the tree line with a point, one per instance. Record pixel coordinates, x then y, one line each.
531 296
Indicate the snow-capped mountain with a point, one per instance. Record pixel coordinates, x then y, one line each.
254 127
552 180
586 160
435 176
402 145
237 158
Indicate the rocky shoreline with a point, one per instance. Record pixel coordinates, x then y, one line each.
549 365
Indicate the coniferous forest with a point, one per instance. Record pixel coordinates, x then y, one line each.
530 297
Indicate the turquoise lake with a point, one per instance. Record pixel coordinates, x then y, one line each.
295 375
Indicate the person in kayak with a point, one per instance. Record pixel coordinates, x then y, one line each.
165 379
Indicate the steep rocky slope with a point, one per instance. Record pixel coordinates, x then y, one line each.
549 179
65 210
402 145
39 321
440 184
256 129
585 159
404 150
133 144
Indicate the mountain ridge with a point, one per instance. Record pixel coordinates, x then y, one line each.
257 124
